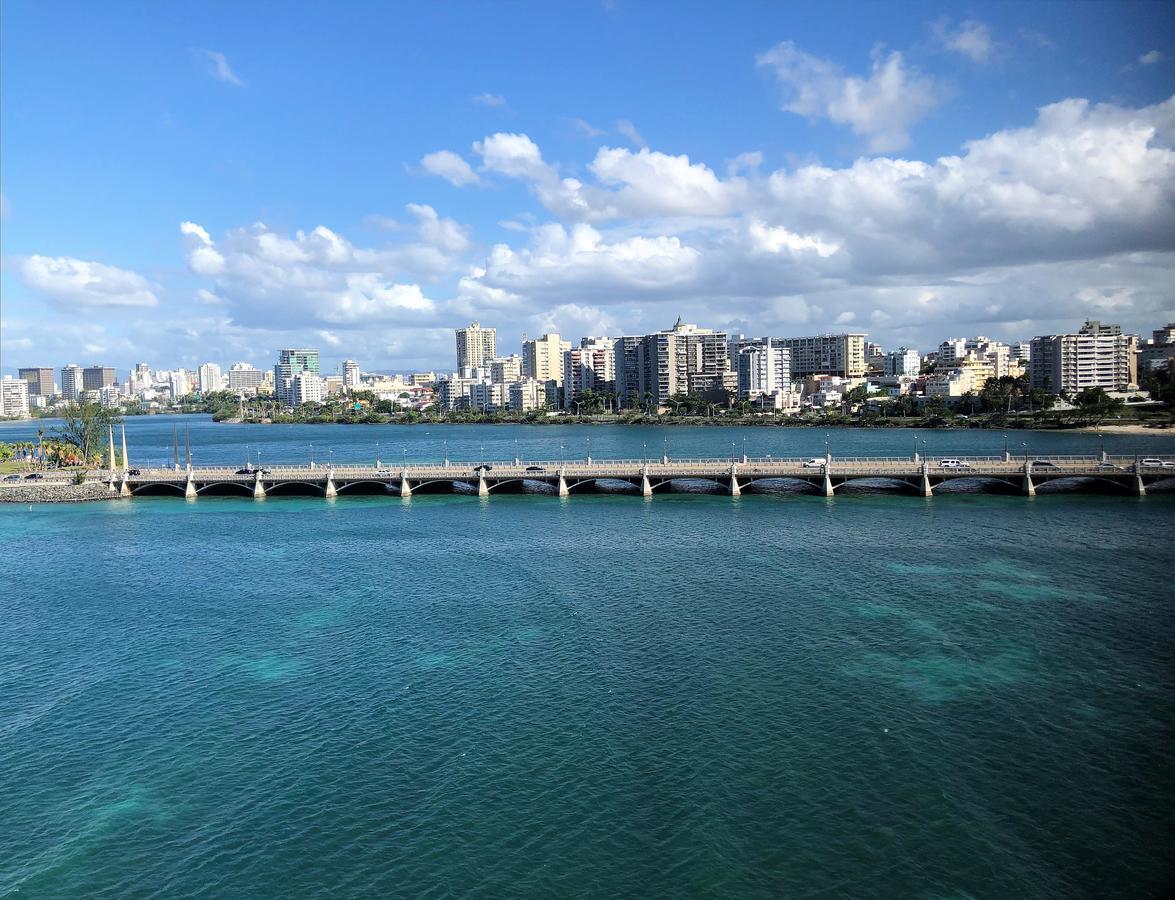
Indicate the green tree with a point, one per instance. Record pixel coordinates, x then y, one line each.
85 426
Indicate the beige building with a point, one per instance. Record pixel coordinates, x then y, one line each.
827 354
14 397
1096 356
542 358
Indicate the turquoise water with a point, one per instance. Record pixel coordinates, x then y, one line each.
870 696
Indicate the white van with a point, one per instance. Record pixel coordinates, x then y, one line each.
953 464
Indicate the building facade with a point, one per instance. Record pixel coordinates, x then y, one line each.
71 382
351 373
1096 356
764 367
40 381
589 367
290 364
94 378
14 397
542 358
244 380
827 354
476 346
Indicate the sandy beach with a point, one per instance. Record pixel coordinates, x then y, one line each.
1126 429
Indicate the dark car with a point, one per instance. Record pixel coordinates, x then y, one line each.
34 476
12 478
1043 464
535 469
264 471
482 468
134 472
245 471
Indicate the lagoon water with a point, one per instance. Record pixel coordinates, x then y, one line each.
870 696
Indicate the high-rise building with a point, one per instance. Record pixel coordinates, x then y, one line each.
210 378
308 387
1096 356
94 378
72 384
828 354
289 364
40 381
476 346
542 358
589 367
141 378
902 361
764 367
14 397
350 373
179 384
244 380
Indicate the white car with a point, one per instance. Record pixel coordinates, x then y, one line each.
953 464
1157 463
815 462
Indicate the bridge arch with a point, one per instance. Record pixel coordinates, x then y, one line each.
158 489
295 489
759 483
226 489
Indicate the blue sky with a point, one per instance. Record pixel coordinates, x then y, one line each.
915 172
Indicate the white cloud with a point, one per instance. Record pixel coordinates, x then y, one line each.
219 68
1150 58
448 165
207 297
321 277
77 282
628 130
880 108
972 39
513 155
487 99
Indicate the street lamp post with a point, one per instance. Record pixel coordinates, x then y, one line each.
330 457
562 455
1024 444
915 448
589 451
377 454
645 453
744 448
1007 456
665 450
1102 439
446 443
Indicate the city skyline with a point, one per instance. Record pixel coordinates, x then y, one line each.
935 172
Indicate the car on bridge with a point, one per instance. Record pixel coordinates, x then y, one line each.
814 463
245 471
34 476
1151 463
1043 464
535 469
12 477
1109 466
482 469
953 464
133 472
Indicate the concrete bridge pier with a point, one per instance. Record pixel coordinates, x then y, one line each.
124 489
482 489
828 492
926 489
646 488
562 485
1028 487
405 487
330 491
258 487
190 488
1139 487
735 490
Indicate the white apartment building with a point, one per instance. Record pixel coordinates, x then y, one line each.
589 367
72 382
308 387
244 379
902 361
476 346
351 373
505 369
764 367
1096 356
527 394
211 378
14 397
178 382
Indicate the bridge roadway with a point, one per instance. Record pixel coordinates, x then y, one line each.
733 475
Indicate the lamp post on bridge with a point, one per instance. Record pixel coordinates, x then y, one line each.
377 454
732 451
665 451
827 451
645 453
744 449
1007 455
915 448
330 455
405 458
1102 438
446 443
589 451
312 454
517 458
562 455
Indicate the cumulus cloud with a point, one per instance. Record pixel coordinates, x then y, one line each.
448 165
1150 58
320 276
972 39
880 108
219 68
80 283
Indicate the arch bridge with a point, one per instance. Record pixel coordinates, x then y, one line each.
825 475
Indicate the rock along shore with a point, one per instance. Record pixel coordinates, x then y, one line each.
55 492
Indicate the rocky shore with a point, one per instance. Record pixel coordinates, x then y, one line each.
55 492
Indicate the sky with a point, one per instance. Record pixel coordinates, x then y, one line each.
181 185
